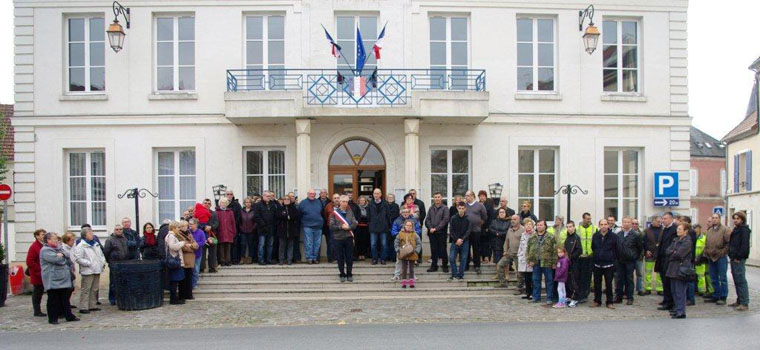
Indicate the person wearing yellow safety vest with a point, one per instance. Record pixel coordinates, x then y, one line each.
704 285
585 232
652 236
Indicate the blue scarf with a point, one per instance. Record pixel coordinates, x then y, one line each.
90 242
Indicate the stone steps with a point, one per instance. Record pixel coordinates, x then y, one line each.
320 282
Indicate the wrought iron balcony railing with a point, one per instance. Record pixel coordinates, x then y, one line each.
330 87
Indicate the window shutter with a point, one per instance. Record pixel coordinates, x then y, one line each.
736 173
749 171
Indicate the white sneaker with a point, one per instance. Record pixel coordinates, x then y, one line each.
573 303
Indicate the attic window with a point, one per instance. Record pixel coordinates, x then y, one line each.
708 145
699 144
721 145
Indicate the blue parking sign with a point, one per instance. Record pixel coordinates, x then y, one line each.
666 184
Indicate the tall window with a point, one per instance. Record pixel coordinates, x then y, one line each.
693 182
347 41
621 56
87 188
265 46
621 182
175 53
449 172
86 54
449 50
535 54
537 179
265 170
176 183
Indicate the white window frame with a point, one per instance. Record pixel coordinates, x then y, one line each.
368 49
87 66
723 182
620 198
534 42
693 182
536 177
178 209
449 198
265 168
175 51
264 38
88 187
619 69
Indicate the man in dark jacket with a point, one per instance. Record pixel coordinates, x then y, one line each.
133 239
116 249
437 222
312 221
651 248
661 264
630 246
459 234
738 252
263 213
503 204
420 204
379 217
394 212
477 214
574 252
605 247
237 243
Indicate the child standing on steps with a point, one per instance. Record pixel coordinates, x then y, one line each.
408 245
560 276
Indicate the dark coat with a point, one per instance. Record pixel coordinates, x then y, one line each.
605 248
680 251
336 224
379 216
668 234
573 246
421 205
236 208
630 247
395 211
161 240
116 249
527 214
150 252
288 221
263 213
738 245
459 228
133 243
438 218
652 241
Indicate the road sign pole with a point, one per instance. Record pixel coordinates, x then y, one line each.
5 230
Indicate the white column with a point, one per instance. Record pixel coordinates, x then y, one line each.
303 156
412 154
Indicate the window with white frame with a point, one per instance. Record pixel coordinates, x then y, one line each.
85 54
723 182
693 182
347 40
621 182
265 170
537 179
620 51
86 183
449 172
176 182
265 47
449 50
175 53
535 54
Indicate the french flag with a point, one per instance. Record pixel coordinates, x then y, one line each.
379 43
334 48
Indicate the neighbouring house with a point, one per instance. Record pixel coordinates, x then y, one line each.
707 174
6 150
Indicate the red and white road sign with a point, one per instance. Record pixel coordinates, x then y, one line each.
5 192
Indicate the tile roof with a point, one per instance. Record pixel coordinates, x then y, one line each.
7 143
748 126
704 145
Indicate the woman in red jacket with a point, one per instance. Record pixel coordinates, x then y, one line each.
35 272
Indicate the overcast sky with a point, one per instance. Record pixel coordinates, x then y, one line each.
724 39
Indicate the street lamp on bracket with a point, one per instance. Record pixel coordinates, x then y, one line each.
591 35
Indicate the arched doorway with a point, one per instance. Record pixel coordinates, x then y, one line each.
356 166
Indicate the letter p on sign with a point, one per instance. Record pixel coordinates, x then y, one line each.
666 184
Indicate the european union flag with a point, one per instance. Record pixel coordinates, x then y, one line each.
361 54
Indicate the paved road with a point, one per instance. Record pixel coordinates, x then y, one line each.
738 332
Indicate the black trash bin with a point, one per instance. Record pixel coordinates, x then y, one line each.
138 284
3 283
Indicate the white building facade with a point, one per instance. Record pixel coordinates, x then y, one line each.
247 94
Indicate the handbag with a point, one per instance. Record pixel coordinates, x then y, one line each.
686 271
171 262
406 250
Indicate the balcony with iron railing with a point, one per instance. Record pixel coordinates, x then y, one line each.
258 95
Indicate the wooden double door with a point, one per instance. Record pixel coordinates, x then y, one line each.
356 167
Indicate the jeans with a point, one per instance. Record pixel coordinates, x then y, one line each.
286 250
740 281
312 239
690 291
561 292
639 275
344 251
607 273
268 241
196 270
438 249
679 295
548 275
382 237
246 244
624 279
461 250
718 275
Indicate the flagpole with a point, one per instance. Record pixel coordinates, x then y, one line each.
341 54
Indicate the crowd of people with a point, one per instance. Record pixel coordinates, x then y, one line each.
670 257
